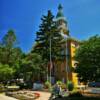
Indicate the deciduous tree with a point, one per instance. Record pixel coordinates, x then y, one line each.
88 56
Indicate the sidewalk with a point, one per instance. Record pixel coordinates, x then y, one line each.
43 95
3 97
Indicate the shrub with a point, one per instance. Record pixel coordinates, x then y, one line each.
59 82
2 88
70 86
63 86
47 85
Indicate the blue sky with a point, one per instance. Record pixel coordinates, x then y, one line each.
83 17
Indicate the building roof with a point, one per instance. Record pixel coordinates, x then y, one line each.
60 12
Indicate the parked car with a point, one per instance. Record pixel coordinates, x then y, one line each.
94 84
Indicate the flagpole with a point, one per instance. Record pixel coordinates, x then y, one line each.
50 60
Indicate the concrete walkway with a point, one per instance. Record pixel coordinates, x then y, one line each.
3 97
43 95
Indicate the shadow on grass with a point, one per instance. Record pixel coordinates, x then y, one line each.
77 96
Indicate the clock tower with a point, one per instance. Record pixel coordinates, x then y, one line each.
61 22
68 47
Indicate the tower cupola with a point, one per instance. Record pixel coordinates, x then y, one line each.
60 11
61 22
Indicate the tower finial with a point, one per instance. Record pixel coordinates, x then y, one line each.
60 11
60 7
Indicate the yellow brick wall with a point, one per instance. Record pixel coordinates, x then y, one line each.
74 75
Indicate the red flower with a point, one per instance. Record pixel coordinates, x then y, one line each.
37 94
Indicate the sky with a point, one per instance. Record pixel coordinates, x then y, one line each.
24 17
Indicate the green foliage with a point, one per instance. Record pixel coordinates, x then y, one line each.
6 72
70 85
2 88
32 67
59 82
47 85
11 54
48 34
63 85
48 31
88 56
9 39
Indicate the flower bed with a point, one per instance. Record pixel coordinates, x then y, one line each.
24 95
37 95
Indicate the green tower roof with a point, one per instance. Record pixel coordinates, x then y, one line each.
60 7
60 12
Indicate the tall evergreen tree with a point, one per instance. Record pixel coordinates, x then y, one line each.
10 54
47 33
